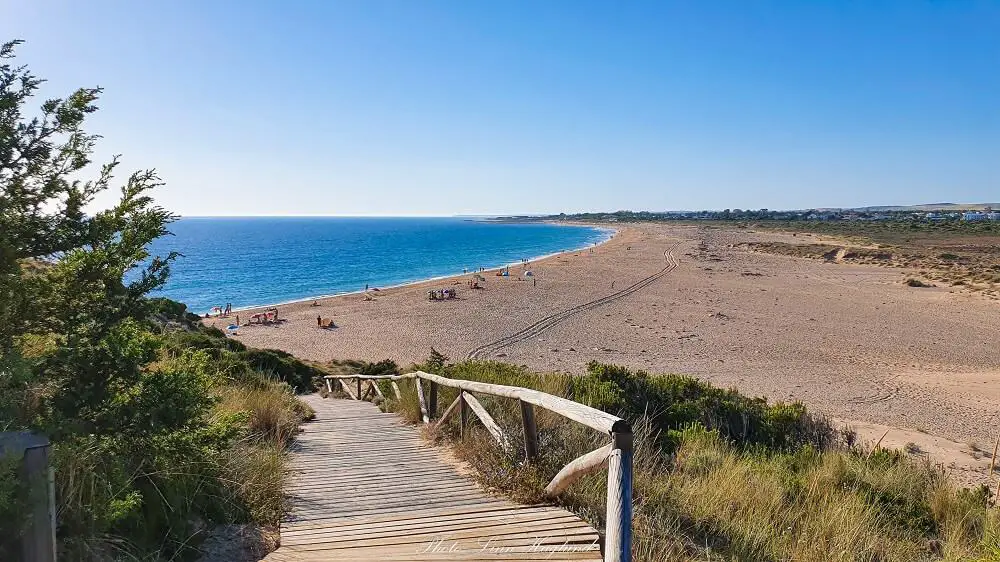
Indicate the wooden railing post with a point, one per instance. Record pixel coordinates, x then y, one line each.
38 543
530 431
618 536
420 399
432 404
360 397
463 413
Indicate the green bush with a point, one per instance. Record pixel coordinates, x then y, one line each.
384 367
672 402
12 508
165 310
284 366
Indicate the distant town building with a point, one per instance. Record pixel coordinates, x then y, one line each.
974 216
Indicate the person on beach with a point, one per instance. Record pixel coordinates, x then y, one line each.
319 321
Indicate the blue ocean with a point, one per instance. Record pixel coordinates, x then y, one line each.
270 260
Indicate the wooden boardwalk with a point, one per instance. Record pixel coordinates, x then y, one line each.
366 487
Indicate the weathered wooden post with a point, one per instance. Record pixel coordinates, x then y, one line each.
360 397
38 543
329 386
420 398
618 536
432 405
463 413
530 431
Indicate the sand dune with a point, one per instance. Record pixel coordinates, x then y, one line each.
851 341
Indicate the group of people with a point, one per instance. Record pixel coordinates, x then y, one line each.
220 311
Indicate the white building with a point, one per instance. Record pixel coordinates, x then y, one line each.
973 216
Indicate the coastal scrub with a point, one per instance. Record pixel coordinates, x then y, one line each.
721 476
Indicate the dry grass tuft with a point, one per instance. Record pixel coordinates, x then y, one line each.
274 412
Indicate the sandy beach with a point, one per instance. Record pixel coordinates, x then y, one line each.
851 341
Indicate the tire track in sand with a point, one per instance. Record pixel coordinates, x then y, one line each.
555 318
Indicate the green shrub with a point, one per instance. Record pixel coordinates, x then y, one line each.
284 366
384 367
165 310
12 508
676 401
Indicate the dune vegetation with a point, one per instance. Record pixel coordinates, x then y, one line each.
953 253
721 476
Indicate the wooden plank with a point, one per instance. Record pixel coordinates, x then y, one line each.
510 534
590 417
480 508
435 518
498 526
487 420
578 468
449 410
375 514
348 390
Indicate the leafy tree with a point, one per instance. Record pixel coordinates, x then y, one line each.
141 453
62 271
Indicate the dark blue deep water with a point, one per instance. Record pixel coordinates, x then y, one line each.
255 261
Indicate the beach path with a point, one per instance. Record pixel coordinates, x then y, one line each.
365 486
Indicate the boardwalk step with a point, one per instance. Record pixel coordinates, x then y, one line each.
364 486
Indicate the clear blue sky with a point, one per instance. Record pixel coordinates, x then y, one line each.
434 108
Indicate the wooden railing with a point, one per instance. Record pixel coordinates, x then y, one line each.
616 455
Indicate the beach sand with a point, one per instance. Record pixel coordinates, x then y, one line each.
850 341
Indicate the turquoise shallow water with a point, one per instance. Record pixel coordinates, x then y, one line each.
256 261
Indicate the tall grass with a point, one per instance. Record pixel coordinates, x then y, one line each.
723 477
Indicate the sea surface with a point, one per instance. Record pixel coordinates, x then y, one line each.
269 260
